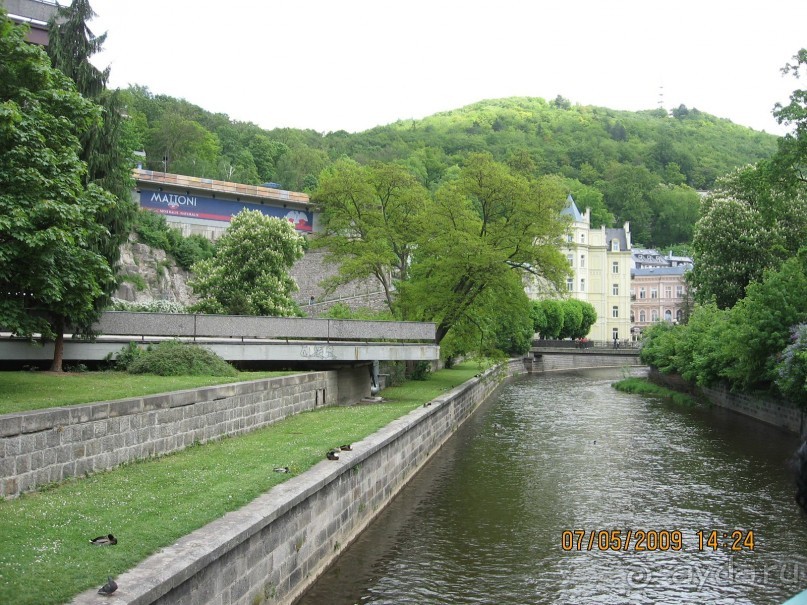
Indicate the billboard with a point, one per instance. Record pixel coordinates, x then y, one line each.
195 206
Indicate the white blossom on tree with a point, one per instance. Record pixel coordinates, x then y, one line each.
249 275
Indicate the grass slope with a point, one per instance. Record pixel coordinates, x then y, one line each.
26 391
45 557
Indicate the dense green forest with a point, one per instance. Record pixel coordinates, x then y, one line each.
642 167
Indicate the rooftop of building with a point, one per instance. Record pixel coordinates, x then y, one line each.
648 271
198 184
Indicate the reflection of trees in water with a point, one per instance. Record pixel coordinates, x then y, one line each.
801 476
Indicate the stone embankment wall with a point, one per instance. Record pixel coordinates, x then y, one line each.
777 413
51 445
271 550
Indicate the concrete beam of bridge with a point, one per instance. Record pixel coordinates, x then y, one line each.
299 341
299 353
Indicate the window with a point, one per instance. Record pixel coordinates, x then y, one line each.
615 267
642 293
667 315
653 315
582 238
615 333
653 292
582 285
667 291
614 311
582 260
615 289
570 238
679 291
679 315
642 316
614 245
569 284
570 258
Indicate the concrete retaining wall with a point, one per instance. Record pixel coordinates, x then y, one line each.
271 550
51 445
777 413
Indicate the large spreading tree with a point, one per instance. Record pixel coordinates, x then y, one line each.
51 272
480 231
369 217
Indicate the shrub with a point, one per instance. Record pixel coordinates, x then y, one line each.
175 358
152 229
125 357
421 370
342 311
136 280
149 306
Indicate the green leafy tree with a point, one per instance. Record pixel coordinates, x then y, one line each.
791 372
676 210
791 160
591 198
538 316
51 273
249 275
177 144
627 193
572 318
761 323
479 230
747 225
299 168
731 248
368 220
107 145
553 311
589 314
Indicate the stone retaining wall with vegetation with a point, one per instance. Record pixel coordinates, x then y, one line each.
271 550
777 413
45 446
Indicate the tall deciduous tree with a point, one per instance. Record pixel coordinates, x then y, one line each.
249 275
106 145
747 225
51 272
478 231
369 220
792 155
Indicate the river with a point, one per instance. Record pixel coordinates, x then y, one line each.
492 517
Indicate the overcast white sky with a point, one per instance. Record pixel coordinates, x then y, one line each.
354 64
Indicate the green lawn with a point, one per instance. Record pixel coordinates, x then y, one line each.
45 557
25 391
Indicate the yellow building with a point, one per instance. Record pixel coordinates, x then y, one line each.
601 263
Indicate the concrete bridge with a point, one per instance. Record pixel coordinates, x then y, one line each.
349 346
555 355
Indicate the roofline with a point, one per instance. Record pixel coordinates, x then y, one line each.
197 183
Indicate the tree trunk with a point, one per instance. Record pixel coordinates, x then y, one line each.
58 345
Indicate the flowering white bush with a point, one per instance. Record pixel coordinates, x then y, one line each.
150 306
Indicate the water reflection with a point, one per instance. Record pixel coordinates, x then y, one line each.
482 523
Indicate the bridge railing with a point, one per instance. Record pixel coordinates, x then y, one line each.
182 325
546 343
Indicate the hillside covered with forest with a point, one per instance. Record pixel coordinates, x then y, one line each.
643 167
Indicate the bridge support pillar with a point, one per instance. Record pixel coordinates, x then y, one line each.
354 383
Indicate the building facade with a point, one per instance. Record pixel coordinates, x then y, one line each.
658 289
600 260
205 206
